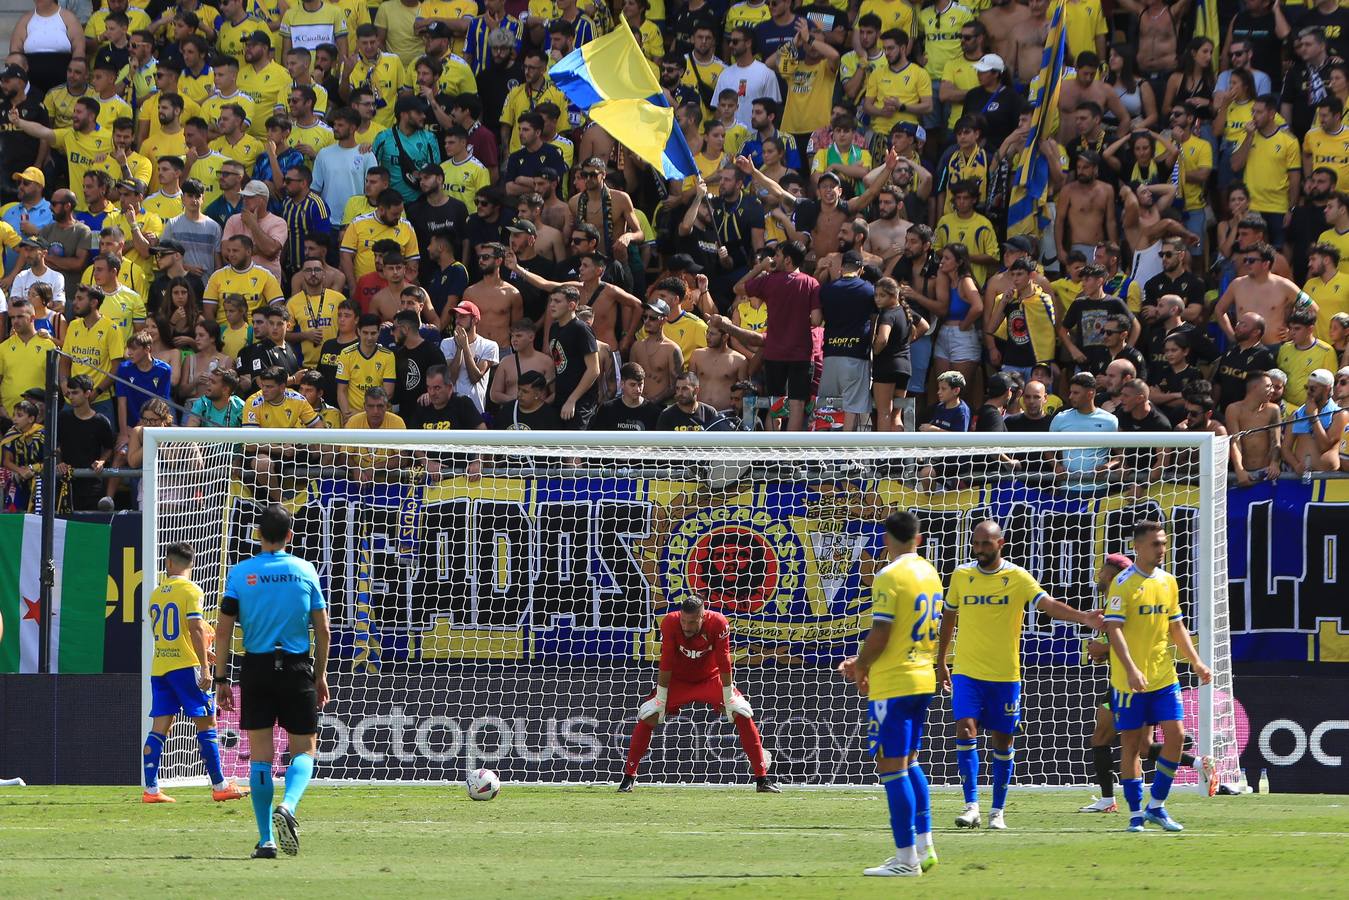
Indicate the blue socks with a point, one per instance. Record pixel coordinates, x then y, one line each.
967 757
260 780
1003 763
298 773
922 800
154 746
208 744
1133 795
1161 782
899 796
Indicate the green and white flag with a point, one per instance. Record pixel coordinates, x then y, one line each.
79 596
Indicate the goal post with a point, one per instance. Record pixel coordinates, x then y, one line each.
495 595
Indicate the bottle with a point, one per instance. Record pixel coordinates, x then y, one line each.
1264 781
1307 469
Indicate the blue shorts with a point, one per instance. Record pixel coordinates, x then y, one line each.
995 705
895 725
1148 708
177 690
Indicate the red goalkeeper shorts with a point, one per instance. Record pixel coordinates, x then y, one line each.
685 692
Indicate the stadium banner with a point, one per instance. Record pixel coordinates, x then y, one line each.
1295 728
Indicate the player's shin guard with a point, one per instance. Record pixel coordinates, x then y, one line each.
154 746
1003 763
208 745
752 744
967 757
298 773
641 740
899 797
922 804
260 780
1161 782
1103 764
1133 795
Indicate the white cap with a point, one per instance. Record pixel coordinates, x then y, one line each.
1321 377
255 189
990 62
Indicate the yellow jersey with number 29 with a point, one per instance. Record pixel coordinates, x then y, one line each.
908 594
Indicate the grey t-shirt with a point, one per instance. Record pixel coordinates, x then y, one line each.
201 240
68 241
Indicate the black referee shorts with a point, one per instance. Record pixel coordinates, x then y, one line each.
269 695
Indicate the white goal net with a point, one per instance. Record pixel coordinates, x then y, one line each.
495 596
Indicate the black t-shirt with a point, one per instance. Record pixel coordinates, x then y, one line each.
534 300
1334 23
448 218
1023 424
1265 43
493 85
412 366
81 441
894 357
1000 111
444 284
1139 362
327 367
1089 316
458 415
512 418
1189 287
1154 421
616 415
569 345
253 358
531 163
1233 368
989 418
848 305
478 230
1173 382
1297 86
735 224
18 150
681 23
157 301
675 419
1308 221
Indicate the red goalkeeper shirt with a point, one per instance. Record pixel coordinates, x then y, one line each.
696 658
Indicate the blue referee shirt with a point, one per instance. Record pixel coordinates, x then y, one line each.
276 592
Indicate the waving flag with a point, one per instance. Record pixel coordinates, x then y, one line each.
1206 25
1030 179
610 79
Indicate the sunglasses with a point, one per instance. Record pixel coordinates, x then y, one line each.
1169 253
1251 260
579 240
1112 331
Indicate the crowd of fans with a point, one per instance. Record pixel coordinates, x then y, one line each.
385 215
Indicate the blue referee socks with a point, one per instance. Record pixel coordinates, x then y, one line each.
1133 795
967 758
154 747
260 780
298 773
899 796
1003 763
922 800
208 744
1161 782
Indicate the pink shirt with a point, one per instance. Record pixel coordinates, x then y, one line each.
271 225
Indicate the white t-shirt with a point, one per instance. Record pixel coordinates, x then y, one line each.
487 353
749 83
26 279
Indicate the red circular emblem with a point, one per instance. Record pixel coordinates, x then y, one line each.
733 569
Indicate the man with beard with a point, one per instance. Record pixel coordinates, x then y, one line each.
1311 441
409 139
69 240
687 412
525 164
630 410
1247 354
1087 317
1115 334
719 368
436 212
414 357
658 356
1309 219
85 144
1254 420
1086 211
673 68
885 236
607 209
1175 278
503 72
499 302
1259 290
1328 286
525 254
852 238
364 231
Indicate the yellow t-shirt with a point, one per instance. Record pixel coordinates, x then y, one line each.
1298 364
992 608
523 99
317 136
365 230
959 72
706 74
907 593
156 146
1330 151
270 90
292 411
85 151
149 112
150 224
973 166
245 152
383 76
810 93
256 284
207 171
314 314
1340 242
909 85
464 179
1267 167
1196 153
751 319
164 205
941 35
747 15
60 105
173 603
1145 605
1083 20
23 366
360 372
103 346
230 38
137 19
309 29
449 10
234 339
111 109
198 87
1330 297
892 13
212 105
365 457
976 233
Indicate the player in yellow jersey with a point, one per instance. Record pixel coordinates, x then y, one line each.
991 595
1143 618
363 365
180 674
1327 143
893 668
93 341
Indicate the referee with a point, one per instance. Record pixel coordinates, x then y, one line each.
275 597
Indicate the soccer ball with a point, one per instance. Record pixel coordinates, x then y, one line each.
482 784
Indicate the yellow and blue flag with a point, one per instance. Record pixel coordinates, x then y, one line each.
1206 25
1030 179
610 80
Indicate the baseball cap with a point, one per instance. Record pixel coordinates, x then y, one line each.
437 30
34 241
132 184
683 262
32 173
910 128
1020 243
259 37
14 71
522 226
1322 377
37 394
829 176
469 308
659 307
431 169
168 247
255 189
548 173
989 62
852 260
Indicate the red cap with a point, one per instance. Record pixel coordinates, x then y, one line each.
1119 561
469 308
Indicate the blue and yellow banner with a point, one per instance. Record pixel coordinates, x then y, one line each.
1030 179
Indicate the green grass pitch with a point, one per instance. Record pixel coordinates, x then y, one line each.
656 842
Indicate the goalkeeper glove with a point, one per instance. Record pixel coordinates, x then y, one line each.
656 705
727 698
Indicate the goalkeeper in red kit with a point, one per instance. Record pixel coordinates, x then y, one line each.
695 667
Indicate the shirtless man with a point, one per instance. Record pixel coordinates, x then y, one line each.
885 236
1085 87
1250 231
1260 291
614 307
593 197
1086 211
395 272
1002 19
1315 439
852 236
1254 453
1143 222
555 212
657 354
607 383
498 301
1158 23
1026 52
523 358
547 239
718 368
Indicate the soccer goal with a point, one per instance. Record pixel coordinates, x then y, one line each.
495 595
